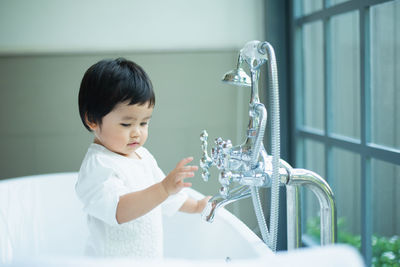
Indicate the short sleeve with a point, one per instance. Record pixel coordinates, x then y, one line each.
99 189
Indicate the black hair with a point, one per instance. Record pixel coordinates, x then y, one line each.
109 82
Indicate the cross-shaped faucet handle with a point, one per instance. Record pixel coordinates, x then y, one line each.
205 161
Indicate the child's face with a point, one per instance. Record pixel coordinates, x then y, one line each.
124 129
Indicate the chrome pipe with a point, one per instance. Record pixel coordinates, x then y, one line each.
326 199
293 212
293 207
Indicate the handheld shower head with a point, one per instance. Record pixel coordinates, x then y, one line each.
237 77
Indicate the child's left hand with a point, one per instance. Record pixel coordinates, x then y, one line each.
201 204
194 206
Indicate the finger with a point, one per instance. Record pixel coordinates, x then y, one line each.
207 198
184 161
183 184
181 176
190 168
187 184
184 175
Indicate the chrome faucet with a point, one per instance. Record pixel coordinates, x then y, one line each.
247 167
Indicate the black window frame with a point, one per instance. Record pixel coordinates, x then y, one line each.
283 31
363 147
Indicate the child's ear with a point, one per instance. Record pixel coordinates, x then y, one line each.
92 125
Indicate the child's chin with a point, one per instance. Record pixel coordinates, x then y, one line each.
133 147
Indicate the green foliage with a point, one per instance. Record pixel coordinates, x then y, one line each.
385 250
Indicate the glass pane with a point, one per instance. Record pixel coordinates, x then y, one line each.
386 213
346 187
310 6
313 158
313 91
345 93
385 78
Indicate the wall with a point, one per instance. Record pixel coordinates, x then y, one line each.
185 47
126 25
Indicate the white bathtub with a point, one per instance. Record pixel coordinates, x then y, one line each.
42 223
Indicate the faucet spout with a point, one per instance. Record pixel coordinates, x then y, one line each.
220 201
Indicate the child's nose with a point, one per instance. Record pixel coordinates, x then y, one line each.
135 132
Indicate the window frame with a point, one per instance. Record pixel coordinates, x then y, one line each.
363 147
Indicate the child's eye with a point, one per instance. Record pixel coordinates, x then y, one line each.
143 124
125 124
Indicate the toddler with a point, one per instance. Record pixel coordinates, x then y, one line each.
123 190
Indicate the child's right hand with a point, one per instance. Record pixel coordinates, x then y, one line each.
173 183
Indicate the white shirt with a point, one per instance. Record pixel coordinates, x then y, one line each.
104 176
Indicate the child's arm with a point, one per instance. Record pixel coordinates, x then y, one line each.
136 204
194 206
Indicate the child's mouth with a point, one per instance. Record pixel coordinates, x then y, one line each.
133 144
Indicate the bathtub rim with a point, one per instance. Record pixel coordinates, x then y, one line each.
260 248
